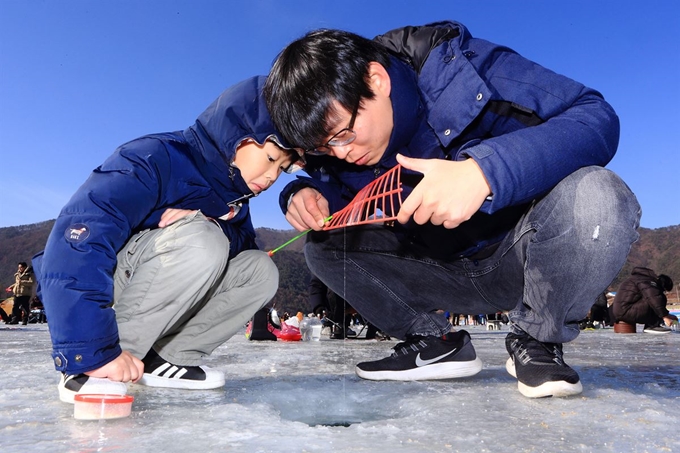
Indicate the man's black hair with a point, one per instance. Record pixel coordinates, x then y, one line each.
313 71
665 282
22 263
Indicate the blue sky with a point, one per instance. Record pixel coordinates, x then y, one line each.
78 77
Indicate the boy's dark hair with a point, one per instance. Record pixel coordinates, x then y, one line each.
297 160
22 263
665 282
312 72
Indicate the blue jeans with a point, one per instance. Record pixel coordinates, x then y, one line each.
547 272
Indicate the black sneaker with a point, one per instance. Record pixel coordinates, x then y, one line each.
656 329
160 373
71 385
539 367
422 358
341 334
338 335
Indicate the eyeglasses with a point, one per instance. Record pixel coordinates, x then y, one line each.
342 138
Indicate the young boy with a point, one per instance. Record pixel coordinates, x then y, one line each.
153 264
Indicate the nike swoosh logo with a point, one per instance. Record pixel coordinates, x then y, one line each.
421 362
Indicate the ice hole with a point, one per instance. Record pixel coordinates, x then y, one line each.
330 401
337 414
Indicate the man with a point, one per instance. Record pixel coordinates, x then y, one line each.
641 299
599 312
507 205
22 290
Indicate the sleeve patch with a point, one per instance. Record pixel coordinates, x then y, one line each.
77 232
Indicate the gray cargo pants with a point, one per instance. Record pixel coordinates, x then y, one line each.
175 290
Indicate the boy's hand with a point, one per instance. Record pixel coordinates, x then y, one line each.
123 368
449 193
307 209
173 215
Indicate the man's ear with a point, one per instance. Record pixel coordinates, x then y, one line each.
379 78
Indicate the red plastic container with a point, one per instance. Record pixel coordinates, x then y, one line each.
99 407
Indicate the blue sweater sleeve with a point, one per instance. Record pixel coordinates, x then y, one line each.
525 164
578 129
76 269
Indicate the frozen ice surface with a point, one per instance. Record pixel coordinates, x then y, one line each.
304 397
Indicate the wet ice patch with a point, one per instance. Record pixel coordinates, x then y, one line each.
319 400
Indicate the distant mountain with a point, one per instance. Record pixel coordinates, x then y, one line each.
658 249
20 243
269 239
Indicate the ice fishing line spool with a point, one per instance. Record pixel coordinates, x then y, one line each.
101 407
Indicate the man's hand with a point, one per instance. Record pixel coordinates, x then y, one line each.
449 193
670 319
124 368
172 215
307 209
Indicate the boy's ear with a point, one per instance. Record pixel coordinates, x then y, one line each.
379 79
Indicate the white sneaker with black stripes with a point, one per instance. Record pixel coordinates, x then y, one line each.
71 385
158 372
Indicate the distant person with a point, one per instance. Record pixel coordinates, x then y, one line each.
294 320
317 294
153 264
321 296
506 205
598 315
24 280
599 312
37 311
6 317
641 299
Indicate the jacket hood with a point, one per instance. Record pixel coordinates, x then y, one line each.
414 44
237 114
644 272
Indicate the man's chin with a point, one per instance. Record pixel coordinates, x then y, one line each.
363 160
374 158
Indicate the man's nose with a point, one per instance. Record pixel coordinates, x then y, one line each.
341 152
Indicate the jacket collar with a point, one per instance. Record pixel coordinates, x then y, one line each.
407 107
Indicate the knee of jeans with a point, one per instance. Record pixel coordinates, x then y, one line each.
313 255
602 192
321 262
205 244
